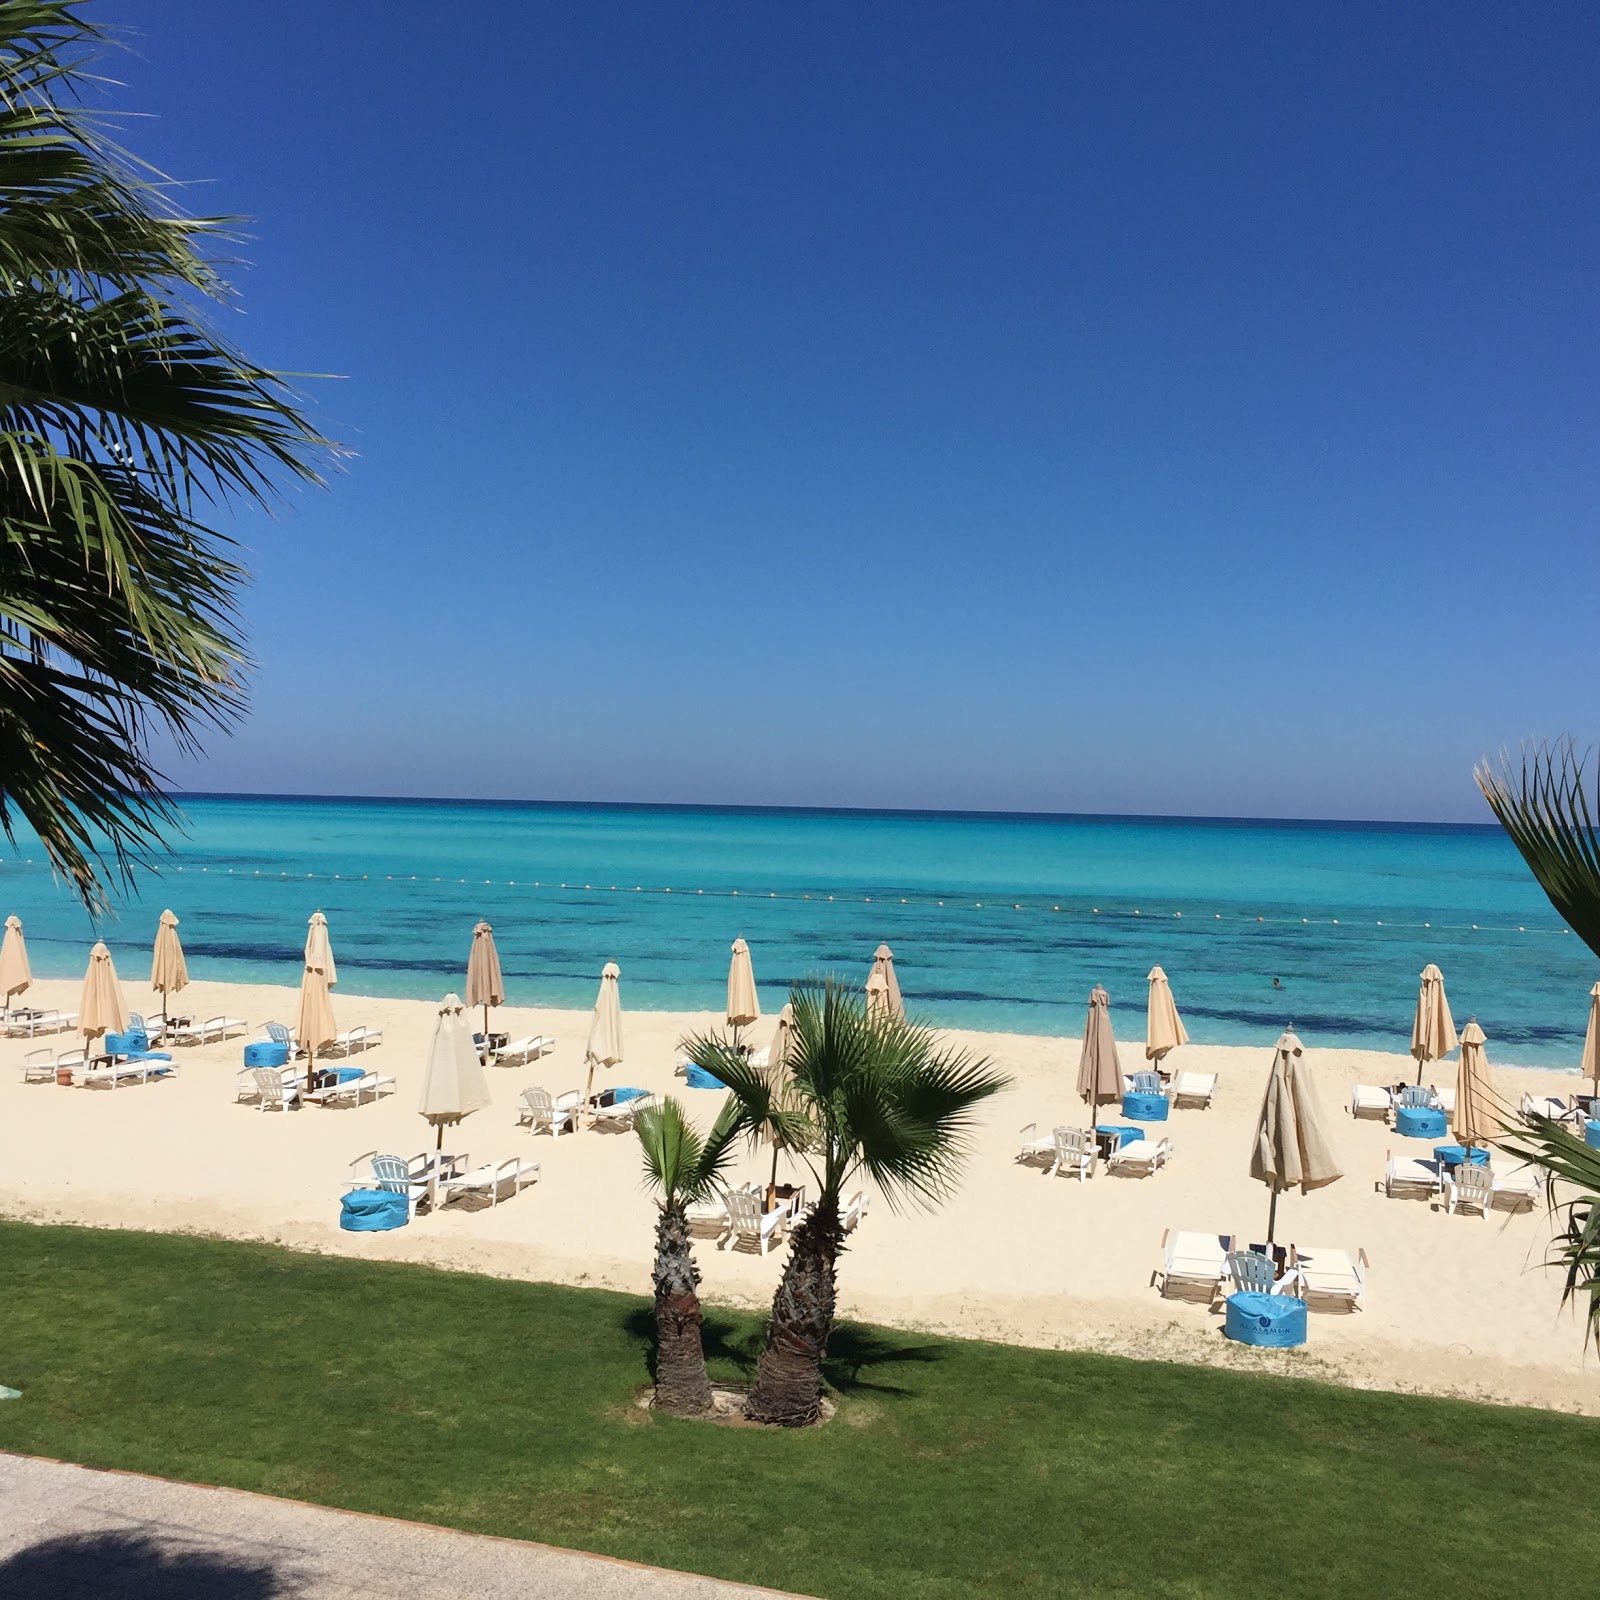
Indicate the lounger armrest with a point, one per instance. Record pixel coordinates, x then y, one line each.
1165 1234
1361 1256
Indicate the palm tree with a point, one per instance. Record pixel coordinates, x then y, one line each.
871 1093
1543 804
127 425
684 1168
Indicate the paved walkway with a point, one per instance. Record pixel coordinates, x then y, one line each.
71 1533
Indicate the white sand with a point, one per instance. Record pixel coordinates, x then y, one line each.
1455 1305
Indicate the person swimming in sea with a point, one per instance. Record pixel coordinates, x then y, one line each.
1277 983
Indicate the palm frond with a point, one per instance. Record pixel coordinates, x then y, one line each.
1542 802
678 1161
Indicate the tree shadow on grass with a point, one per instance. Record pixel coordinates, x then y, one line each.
853 1351
115 1564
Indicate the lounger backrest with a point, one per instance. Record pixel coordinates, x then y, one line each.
1474 1184
1074 1141
1415 1094
539 1103
279 1034
743 1211
1252 1273
391 1174
1146 1082
269 1082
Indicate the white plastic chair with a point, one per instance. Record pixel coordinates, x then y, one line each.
394 1175
275 1089
1470 1187
747 1223
539 1109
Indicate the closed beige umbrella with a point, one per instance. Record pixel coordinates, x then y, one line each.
883 987
314 1027
1099 1071
100 1007
743 1006
1590 1065
1433 1033
779 1075
1475 1120
1291 1145
453 1086
1164 1029
169 972
485 986
319 951
604 1048
15 974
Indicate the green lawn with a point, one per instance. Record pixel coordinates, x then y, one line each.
952 1469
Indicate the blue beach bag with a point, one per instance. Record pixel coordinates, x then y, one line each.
373 1211
699 1078
1270 1321
266 1053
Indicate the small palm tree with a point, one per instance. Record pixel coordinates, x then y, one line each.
684 1168
1543 804
870 1093
127 425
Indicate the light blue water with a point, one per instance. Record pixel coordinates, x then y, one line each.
996 921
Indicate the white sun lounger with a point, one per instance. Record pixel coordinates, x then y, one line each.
211 1028
851 1211
1522 1188
1066 1150
749 1224
1369 1100
521 1051
1141 1157
129 1070
1406 1176
31 1023
369 1083
1327 1274
1548 1105
356 1039
39 1066
620 1114
1194 1261
490 1179
1193 1089
538 1109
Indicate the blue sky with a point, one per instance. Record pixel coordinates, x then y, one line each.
1174 408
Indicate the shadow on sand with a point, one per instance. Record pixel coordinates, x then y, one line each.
136 1566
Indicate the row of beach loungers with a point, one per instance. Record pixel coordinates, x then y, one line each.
1207 1265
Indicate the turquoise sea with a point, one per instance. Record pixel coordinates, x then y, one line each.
996 921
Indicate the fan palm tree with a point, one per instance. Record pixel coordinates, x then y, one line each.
128 424
684 1168
1542 801
870 1093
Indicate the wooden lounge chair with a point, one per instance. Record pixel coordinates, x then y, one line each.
1195 1264
1369 1100
749 1224
1193 1089
1407 1176
1066 1150
521 1051
1329 1275
490 1178
1140 1157
538 1109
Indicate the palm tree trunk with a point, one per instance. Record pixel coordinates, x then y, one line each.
682 1386
788 1386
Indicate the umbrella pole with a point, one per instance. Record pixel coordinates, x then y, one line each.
439 1144
588 1094
772 1185
1272 1217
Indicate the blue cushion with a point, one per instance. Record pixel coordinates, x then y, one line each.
373 1211
266 1053
1452 1155
698 1078
1420 1122
1272 1321
622 1096
1129 1132
1145 1107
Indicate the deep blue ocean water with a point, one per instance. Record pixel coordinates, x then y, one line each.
1000 922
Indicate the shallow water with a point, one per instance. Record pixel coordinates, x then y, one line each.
999 922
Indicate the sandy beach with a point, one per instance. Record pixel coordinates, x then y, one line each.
1455 1305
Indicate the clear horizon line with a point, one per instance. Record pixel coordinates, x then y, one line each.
952 813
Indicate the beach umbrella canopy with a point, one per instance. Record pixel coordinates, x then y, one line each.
453 1086
314 1026
778 1070
169 972
604 1048
743 1006
1590 1065
883 988
1433 1034
1164 1029
15 975
319 952
1291 1145
1475 1120
485 986
100 1007
1099 1071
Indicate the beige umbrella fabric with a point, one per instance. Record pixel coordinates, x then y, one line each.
1164 1029
1433 1033
743 1005
1099 1071
169 972
779 1077
485 986
1291 1145
883 987
453 1086
1475 1120
1590 1065
15 974
100 1007
319 951
604 1048
314 1027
